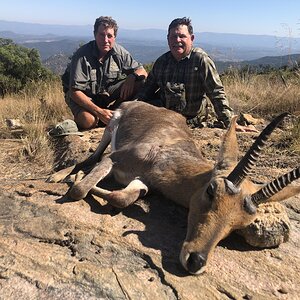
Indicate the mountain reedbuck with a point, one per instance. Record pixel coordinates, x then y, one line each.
152 149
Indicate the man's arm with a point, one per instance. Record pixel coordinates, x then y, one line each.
216 93
150 87
127 89
214 90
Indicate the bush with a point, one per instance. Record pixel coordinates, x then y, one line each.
18 67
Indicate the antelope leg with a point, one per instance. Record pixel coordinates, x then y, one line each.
86 164
123 198
80 189
60 175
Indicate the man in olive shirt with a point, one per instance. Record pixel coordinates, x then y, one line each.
100 76
182 78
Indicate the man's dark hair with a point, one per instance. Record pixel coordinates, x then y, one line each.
181 21
107 22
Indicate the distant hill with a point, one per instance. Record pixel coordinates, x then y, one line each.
23 38
147 44
57 63
48 49
56 43
258 64
145 51
44 29
275 61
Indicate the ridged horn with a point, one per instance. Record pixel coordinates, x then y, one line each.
275 186
247 162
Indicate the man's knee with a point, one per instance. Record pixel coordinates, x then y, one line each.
85 120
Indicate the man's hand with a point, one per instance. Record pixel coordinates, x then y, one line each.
127 87
104 115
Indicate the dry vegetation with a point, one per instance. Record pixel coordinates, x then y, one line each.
42 105
263 94
38 108
266 95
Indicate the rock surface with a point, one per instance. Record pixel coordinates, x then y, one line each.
271 227
55 248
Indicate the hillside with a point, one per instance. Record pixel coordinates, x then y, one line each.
258 64
146 51
56 43
221 46
58 63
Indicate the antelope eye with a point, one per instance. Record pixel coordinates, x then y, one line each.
211 191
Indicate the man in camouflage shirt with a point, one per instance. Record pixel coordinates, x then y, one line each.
100 76
182 78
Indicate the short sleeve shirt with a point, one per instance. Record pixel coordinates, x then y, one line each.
198 73
91 76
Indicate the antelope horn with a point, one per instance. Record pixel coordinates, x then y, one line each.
247 162
275 186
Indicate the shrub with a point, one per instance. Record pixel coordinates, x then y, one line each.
19 66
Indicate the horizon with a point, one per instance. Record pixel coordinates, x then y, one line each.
269 17
140 29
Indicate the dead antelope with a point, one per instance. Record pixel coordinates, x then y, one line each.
152 149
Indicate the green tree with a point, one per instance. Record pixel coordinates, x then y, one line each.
19 66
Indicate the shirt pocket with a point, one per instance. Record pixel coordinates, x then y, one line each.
114 76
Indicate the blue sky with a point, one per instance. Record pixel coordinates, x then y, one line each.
272 17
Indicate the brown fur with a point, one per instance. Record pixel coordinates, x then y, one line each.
154 150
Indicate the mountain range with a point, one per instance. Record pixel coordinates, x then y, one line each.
60 41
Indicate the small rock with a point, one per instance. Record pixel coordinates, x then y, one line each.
270 228
14 124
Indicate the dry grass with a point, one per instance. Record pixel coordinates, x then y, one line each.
38 108
295 137
263 95
42 105
266 95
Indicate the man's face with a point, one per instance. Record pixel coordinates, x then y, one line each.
180 41
105 39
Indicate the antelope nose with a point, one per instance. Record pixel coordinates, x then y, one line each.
195 262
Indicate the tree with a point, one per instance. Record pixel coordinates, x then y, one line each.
19 66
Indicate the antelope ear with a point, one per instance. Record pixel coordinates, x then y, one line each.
228 154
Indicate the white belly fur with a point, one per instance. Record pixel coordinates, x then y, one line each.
113 127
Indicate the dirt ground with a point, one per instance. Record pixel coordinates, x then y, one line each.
52 247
